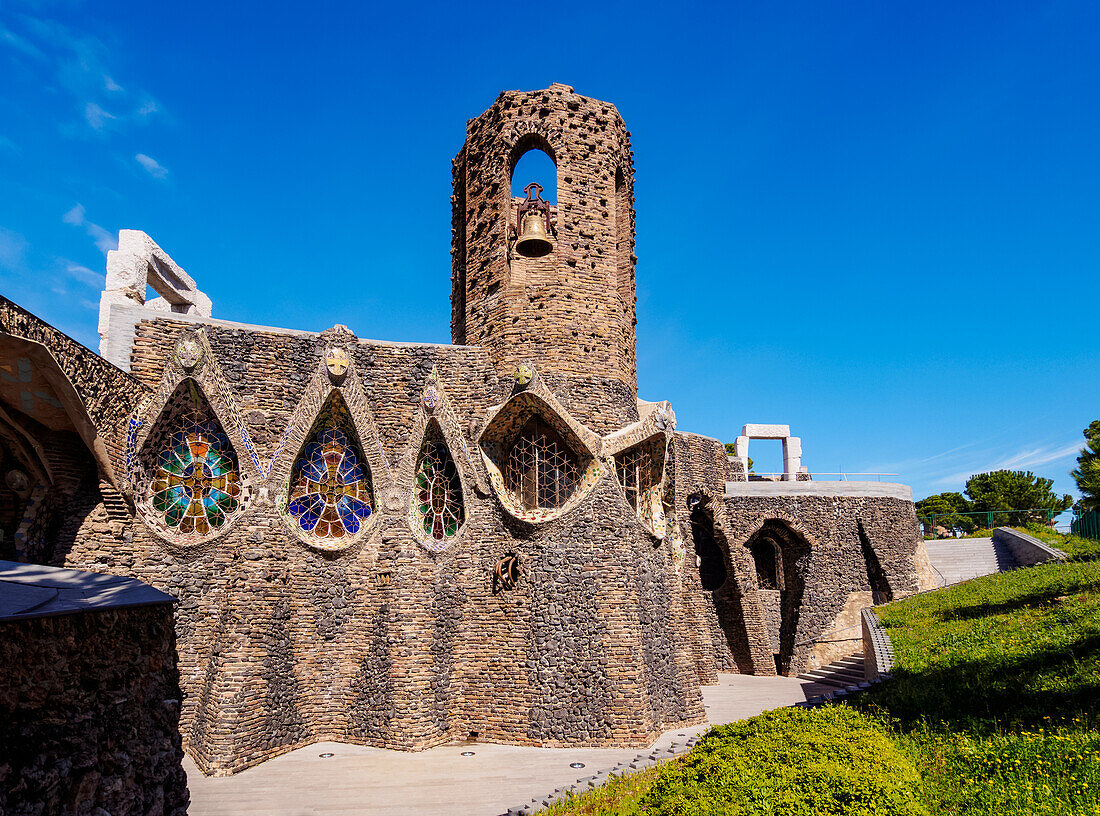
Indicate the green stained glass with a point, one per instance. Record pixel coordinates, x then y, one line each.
438 494
196 486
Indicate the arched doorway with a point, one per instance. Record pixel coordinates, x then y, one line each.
780 556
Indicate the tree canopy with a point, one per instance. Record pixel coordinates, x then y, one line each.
1087 473
1003 493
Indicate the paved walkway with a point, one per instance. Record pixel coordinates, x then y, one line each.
378 782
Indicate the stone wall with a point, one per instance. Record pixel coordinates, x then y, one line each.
391 640
89 708
847 552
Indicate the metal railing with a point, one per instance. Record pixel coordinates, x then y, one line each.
1087 525
986 519
815 474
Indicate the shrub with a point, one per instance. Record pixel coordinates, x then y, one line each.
790 762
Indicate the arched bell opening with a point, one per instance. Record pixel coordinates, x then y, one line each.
532 210
438 507
780 555
536 463
189 476
329 494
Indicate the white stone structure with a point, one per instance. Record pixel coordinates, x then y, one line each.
136 265
792 447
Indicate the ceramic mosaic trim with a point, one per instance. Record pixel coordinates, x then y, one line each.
362 432
189 486
207 374
436 415
505 423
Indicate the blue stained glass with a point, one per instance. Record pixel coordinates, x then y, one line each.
330 490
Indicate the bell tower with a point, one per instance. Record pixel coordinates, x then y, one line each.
550 283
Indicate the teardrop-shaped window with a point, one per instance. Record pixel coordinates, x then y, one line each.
437 497
330 494
194 479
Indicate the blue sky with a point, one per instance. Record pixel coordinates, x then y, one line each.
876 222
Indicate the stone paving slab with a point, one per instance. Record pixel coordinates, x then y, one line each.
379 782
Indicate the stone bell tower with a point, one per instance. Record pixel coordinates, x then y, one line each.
570 311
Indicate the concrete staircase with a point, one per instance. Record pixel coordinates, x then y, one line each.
960 559
845 672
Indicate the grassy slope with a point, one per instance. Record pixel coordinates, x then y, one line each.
995 696
997 685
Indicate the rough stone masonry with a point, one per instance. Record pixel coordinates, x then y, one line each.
403 544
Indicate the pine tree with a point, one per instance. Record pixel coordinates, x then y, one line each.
1087 474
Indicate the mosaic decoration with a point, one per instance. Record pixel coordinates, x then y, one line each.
431 397
541 470
196 485
330 494
336 361
437 496
523 374
641 473
189 352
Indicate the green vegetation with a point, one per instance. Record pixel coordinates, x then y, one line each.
998 498
994 702
731 452
1087 472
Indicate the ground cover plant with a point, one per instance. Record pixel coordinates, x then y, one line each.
992 709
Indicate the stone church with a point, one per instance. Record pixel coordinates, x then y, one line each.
405 544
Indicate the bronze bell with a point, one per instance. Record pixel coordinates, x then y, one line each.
533 241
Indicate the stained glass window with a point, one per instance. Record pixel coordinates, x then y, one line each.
330 494
541 470
195 487
438 496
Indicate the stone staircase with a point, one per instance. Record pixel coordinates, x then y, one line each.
841 673
960 559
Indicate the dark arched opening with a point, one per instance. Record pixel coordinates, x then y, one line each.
768 561
711 560
782 603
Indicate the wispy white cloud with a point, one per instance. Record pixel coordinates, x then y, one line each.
96 116
152 166
13 251
64 276
83 273
79 63
103 239
12 40
1031 457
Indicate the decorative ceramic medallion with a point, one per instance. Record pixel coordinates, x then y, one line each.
336 361
17 480
431 397
189 352
523 374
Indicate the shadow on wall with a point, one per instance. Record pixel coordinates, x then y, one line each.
713 558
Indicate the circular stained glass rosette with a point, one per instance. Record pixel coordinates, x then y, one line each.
196 485
331 495
438 493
